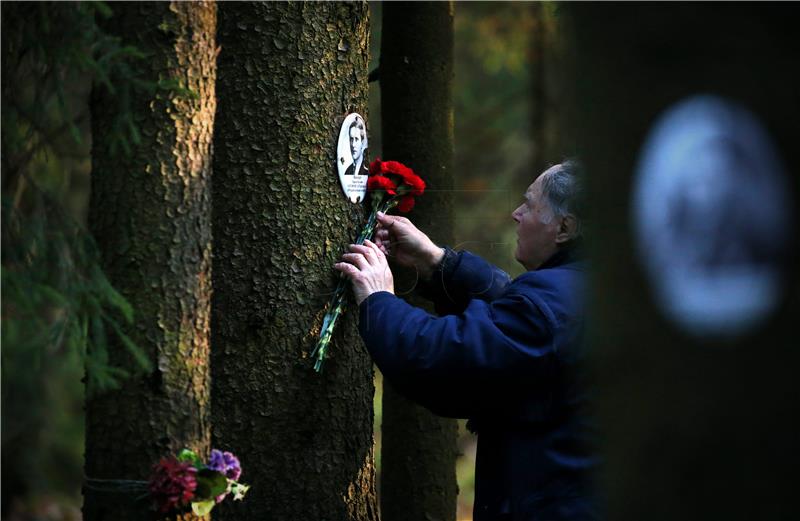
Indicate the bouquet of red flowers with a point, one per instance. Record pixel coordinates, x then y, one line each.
182 483
178 483
390 184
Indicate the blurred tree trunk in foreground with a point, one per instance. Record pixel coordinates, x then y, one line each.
419 449
150 216
288 75
695 426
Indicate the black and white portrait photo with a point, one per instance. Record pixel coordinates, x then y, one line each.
357 139
351 155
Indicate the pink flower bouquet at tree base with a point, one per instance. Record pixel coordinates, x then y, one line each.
390 184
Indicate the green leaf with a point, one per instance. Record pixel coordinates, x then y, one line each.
52 294
138 353
201 508
210 484
111 296
133 52
99 338
103 9
192 457
136 138
239 490
75 133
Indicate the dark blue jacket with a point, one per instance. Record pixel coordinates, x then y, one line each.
505 355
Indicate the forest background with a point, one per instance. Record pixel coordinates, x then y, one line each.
689 421
42 390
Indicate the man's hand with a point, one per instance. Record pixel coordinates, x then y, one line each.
399 238
367 268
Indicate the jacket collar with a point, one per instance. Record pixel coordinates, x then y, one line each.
572 252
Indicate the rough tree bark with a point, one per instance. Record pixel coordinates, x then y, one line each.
288 75
150 215
701 426
419 449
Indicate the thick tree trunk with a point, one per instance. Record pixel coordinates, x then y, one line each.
150 215
419 449
549 89
289 74
696 426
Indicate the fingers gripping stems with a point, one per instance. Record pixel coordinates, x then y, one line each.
365 265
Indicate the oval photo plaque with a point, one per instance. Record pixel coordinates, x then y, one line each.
712 217
351 157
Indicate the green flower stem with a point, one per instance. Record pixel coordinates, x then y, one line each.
337 305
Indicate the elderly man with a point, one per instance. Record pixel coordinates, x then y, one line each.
505 354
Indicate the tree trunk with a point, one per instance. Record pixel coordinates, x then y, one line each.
289 74
695 425
549 89
150 215
419 449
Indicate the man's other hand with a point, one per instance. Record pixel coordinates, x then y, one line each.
407 245
367 268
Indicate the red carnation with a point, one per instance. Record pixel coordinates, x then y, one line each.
397 168
406 203
406 175
375 167
379 182
172 483
416 183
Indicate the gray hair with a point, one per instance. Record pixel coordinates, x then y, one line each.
564 190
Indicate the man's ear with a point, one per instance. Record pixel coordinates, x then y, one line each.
567 229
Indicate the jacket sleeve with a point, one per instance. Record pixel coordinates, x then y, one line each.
457 365
461 277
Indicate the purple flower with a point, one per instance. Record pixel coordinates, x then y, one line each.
217 461
225 463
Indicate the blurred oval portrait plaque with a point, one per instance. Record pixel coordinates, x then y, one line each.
351 157
712 217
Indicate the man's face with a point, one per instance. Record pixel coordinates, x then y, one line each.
355 143
537 227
